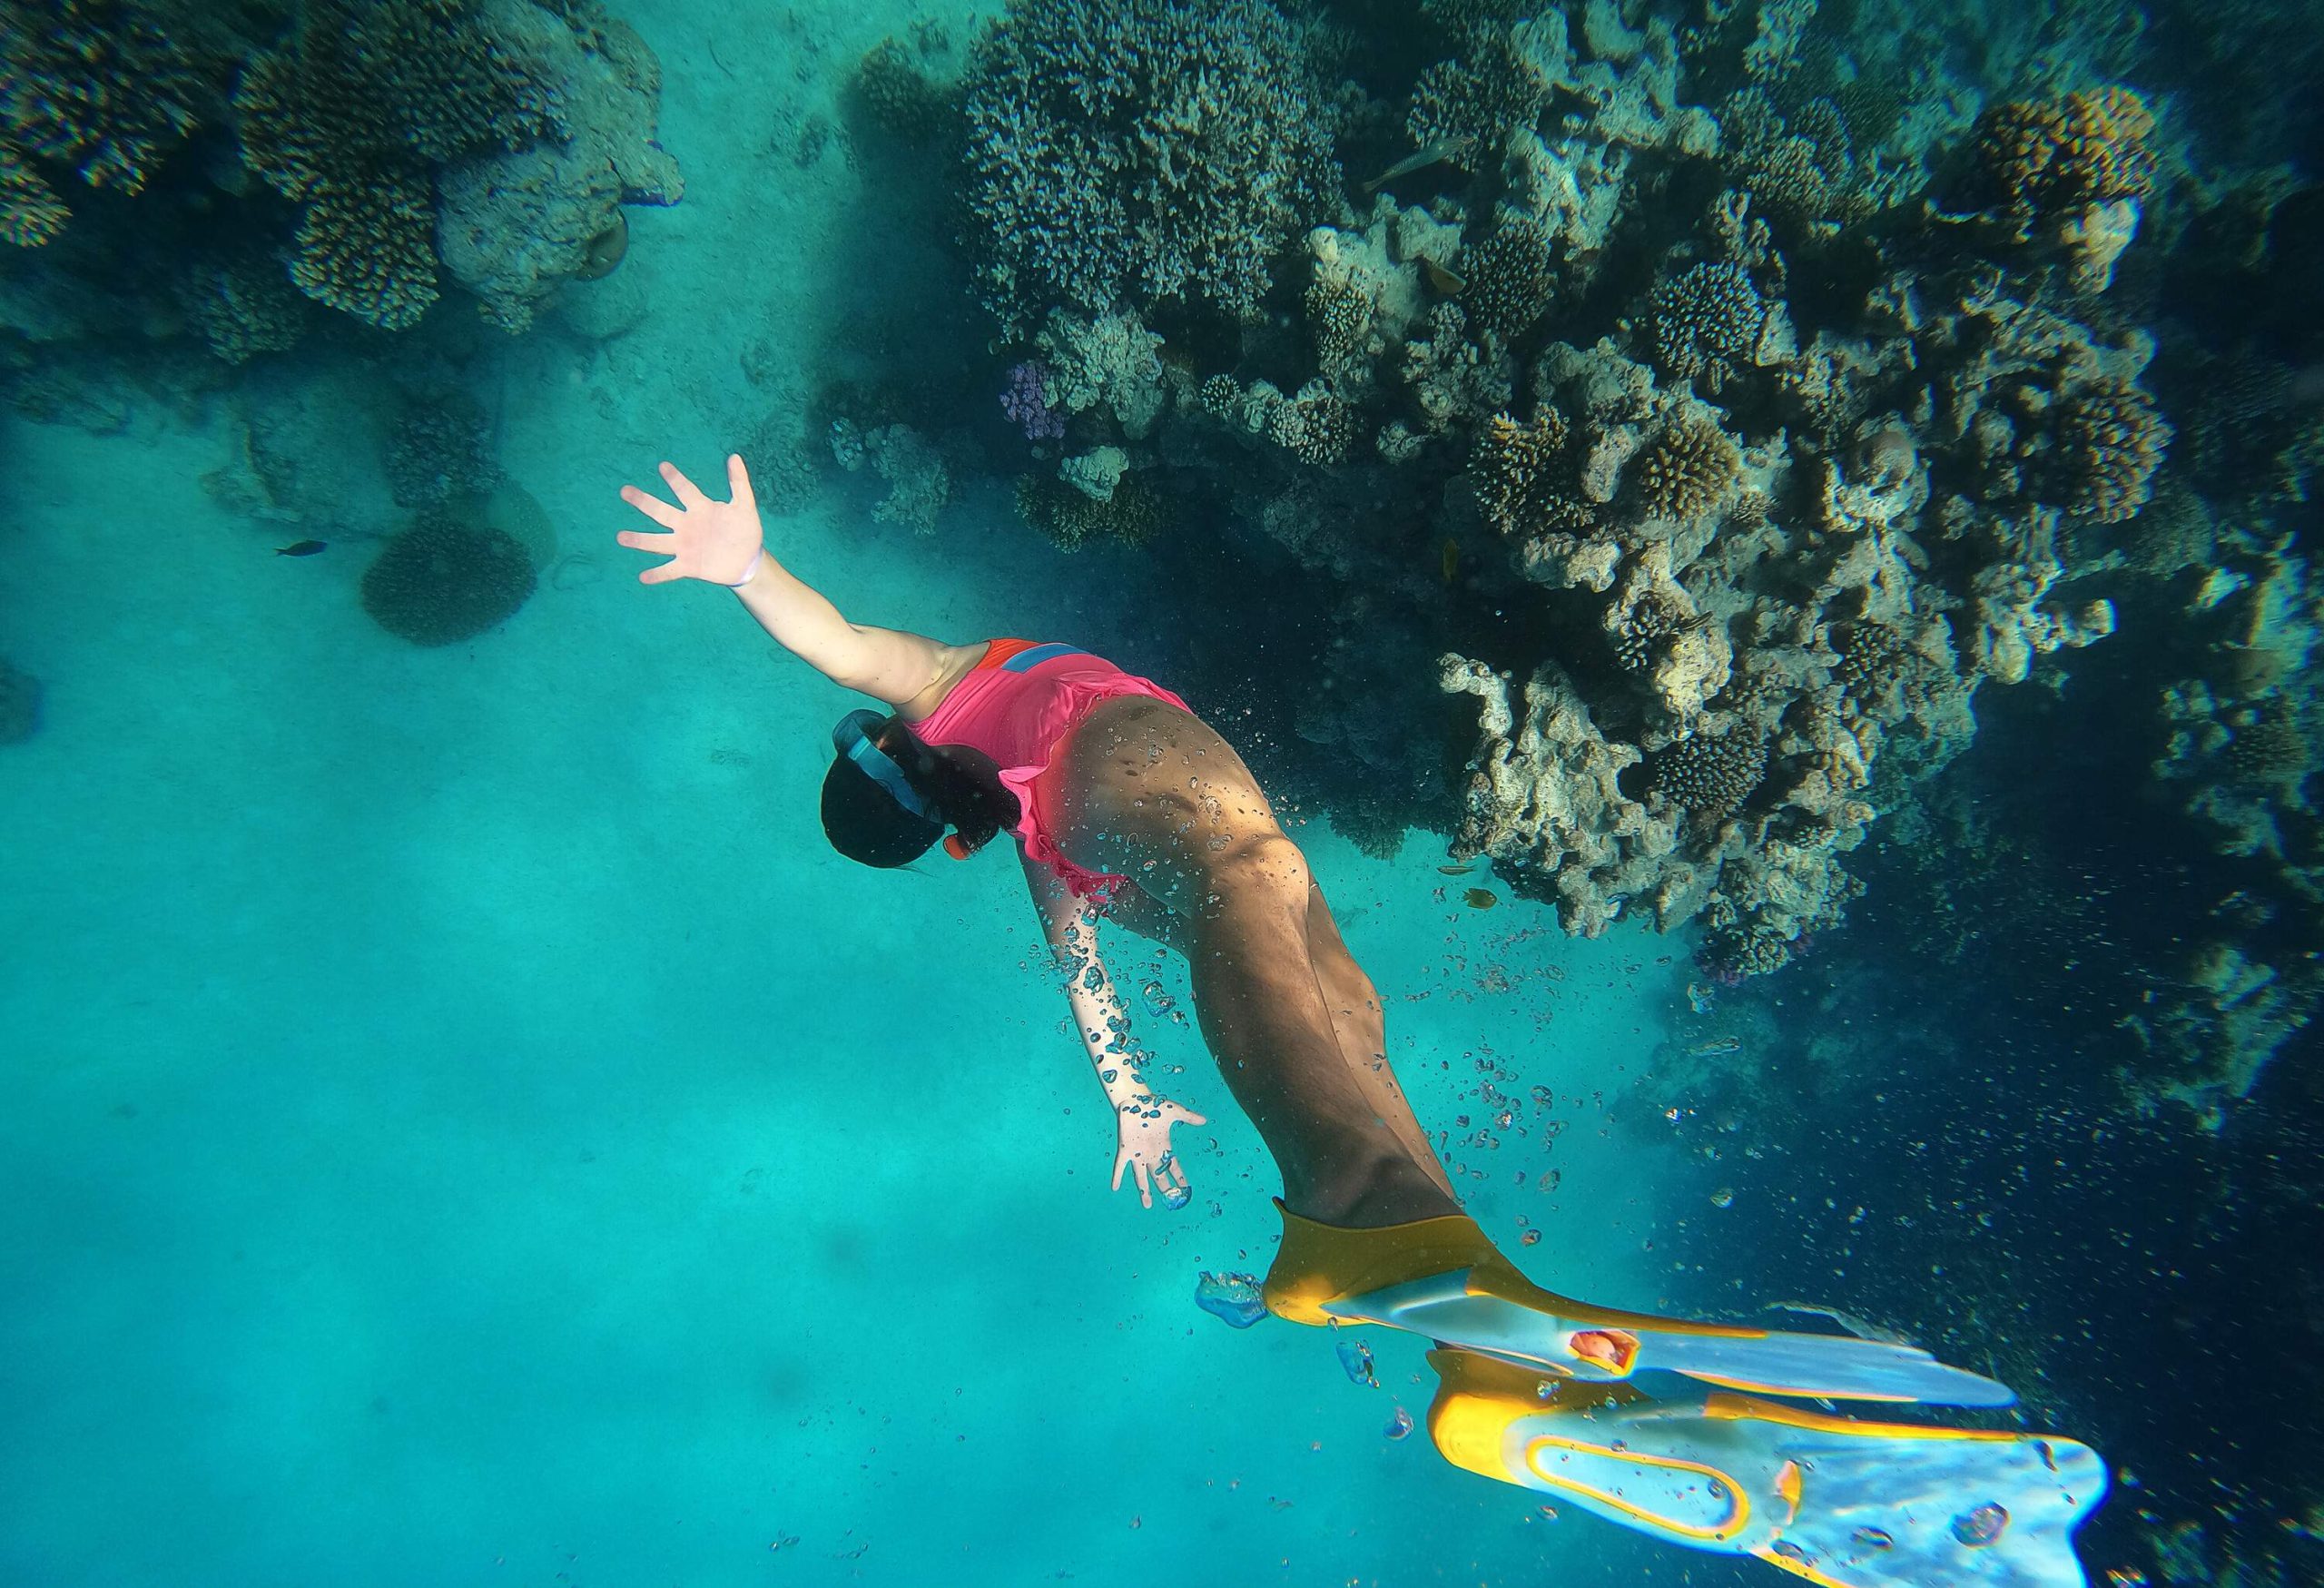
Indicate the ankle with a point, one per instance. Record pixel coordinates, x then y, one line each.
1388 1191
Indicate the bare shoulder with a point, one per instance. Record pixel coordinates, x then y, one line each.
954 664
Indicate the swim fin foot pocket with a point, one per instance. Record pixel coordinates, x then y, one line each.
1538 1390
1443 1278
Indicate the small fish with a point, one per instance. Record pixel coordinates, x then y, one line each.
1420 159
300 548
1482 898
1456 871
1855 1326
1716 1045
1443 279
1449 559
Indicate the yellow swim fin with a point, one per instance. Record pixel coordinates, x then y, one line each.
1444 1278
1839 1501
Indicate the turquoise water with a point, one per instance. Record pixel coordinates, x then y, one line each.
467 1127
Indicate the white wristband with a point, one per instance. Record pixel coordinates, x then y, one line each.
749 573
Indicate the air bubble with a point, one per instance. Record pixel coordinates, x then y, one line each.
1980 1524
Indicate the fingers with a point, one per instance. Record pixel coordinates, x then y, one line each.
638 540
1122 1162
654 507
661 573
1189 1117
1144 1185
688 493
738 482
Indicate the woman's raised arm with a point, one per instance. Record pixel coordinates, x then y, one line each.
723 542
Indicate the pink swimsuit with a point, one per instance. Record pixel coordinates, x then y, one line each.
1017 706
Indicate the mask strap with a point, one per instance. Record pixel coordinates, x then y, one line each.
852 738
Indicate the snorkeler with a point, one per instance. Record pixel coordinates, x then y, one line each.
1126 806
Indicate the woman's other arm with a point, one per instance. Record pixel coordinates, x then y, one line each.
1142 1116
721 543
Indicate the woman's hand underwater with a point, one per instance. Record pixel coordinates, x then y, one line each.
1142 1144
718 542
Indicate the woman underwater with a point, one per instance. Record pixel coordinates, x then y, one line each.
1125 807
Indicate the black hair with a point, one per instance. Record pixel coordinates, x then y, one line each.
864 822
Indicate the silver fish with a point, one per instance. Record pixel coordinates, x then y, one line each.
1427 154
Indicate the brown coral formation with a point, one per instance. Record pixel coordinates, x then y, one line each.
2040 160
2111 439
350 118
1686 470
1710 776
99 85
1072 519
1710 315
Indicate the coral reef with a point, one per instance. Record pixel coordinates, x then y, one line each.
441 580
489 141
513 223
1139 149
1129 511
105 88
896 93
350 118
1722 405
919 481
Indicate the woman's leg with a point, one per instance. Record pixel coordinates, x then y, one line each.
1349 999
1141 781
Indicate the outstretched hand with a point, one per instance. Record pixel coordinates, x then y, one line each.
718 542
1142 1144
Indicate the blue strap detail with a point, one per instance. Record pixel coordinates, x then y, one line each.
852 738
1026 660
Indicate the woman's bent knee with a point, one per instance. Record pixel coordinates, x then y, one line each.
1264 864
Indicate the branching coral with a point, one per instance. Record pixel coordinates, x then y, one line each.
1710 777
1468 105
1141 148
900 98
244 306
31 212
100 85
1072 519
1709 313
2111 440
350 115
1686 470
2036 160
1510 273
1519 473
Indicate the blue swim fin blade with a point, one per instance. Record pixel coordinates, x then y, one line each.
1838 1500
